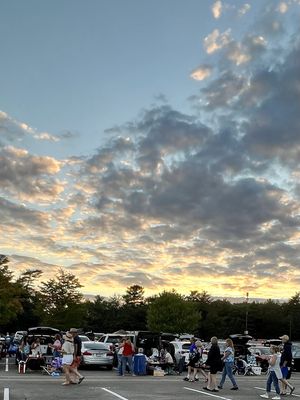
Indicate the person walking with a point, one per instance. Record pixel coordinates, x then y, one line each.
286 365
67 351
274 373
228 360
214 364
77 355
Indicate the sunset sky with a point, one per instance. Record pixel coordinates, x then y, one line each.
152 142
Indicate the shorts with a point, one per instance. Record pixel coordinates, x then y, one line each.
67 359
286 372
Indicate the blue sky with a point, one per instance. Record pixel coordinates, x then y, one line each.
152 142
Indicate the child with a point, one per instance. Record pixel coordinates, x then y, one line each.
274 372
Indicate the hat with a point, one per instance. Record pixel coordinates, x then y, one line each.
68 336
284 337
73 330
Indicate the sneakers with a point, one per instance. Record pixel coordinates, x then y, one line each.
186 379
234 388
220 387
292 390
264 396
276 397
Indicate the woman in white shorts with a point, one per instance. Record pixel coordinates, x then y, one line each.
67 353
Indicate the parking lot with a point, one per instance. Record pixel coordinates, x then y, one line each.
106 385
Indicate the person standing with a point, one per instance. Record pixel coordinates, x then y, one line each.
128 352
214 364
274 373
286 365
228 360
77 355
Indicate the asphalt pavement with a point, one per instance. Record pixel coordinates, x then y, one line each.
100 384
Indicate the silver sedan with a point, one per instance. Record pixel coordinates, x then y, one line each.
96 353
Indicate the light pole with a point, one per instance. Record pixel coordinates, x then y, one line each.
246 319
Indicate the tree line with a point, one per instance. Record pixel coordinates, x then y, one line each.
59 302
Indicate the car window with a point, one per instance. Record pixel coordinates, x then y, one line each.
95 346
84 338
186 346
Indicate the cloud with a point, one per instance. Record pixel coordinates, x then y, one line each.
216 41
217 9
12 130
244 9
202 72
29 177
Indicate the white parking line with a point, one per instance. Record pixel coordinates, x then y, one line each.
6 364
114 394
264 389
6 394
207 393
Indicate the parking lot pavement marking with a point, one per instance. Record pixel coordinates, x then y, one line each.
114 394
6 394
264 389
207 393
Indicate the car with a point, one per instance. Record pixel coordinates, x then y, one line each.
113 339
296 355
181 349
84 338
254 353
46 334
97 354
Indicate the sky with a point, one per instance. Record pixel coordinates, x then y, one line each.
154 143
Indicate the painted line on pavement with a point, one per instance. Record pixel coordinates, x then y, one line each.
6 364
114 394
207 393
6 394
264 389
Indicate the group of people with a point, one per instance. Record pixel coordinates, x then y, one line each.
137 363
215 362
280 362
66 349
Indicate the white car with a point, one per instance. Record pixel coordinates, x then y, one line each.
113 339
181 349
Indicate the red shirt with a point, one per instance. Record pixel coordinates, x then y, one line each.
127 349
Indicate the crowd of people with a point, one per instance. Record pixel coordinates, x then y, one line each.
278 374
66 353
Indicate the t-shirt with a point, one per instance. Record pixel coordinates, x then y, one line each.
230 357
77 345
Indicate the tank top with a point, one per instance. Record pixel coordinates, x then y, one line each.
127 349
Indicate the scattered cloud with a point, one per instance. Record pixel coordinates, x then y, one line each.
217 9
202 72
216 41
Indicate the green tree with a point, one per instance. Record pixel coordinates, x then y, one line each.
103 314
134 295
10 305
61 301
170 312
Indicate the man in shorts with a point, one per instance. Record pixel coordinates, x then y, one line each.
286 365
77 354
